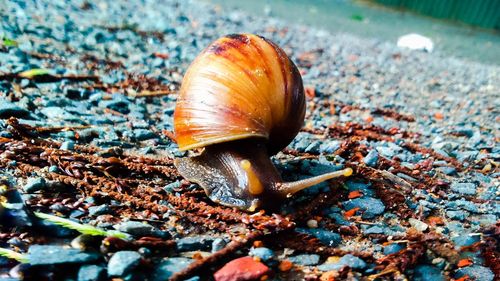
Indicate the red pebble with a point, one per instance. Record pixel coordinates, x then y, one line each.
242 269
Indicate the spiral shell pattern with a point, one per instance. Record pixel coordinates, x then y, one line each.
240 86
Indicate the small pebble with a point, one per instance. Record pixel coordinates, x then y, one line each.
265 254
123 262
218 244
369 206
67 145
51 255
463 240
135 228
464 188
456 215
242 269
35 184
91 273
328 238
371 158
172 186
53 169
99 210
476 272
418 225
305 259
195 243
393 248
168 266
312 223
9 109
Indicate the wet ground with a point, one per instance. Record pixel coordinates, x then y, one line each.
368 20
87 93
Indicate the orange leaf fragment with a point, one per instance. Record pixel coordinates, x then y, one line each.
310 92
435 220
351 212
161 55
355 194
258 244
464 262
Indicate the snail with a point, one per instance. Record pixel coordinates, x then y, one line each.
242 100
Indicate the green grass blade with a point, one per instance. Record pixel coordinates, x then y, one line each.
82 228
29 74
22 258
7 42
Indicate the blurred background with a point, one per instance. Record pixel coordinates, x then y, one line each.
468 29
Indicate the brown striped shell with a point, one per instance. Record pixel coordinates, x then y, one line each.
241 86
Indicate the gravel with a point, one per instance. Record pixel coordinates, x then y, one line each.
265 254
136 47
305 259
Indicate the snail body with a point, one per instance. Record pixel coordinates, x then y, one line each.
242 100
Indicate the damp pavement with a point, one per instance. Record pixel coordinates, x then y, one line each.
89 89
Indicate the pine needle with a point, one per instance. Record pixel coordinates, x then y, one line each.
22 258
82 228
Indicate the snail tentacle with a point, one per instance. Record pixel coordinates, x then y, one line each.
290 188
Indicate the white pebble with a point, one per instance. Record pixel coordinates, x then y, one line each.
312 223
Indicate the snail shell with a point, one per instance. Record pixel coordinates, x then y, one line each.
241 86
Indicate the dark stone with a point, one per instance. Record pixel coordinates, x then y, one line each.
218 244
465 240
427 273
370 207
476 272
143 134
91 273
136 228
99 210
50 255
393 248
195 243
35 184
9 109
123 262
168 267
